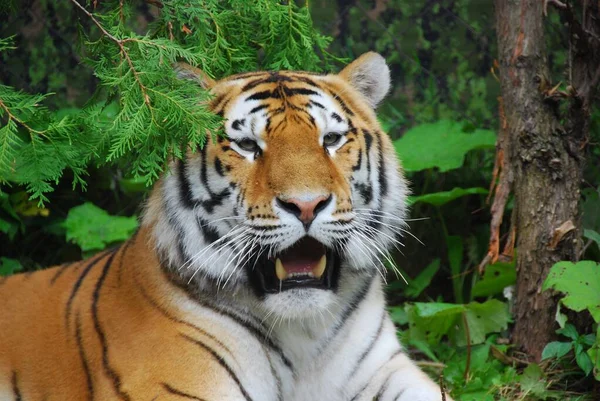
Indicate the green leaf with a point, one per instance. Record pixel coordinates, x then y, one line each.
580 283
556 349
436 323
441 198
569 331
592 235
437 309
594 354
398 315
442 144
491 316
560 317
9 266
532 380
422 281
495 278
93 228
584 361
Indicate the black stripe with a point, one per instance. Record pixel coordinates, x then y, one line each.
221 362
84 362
307 80
358 164
384 387
60 270
116 380
77 284
275 376
371 378
258 108
219 167
174 391
273 77
237 124
172 318
203 170
185 192
15 387
342 104
125 247
209 233
298 91
264 95
319 105
365 191
399 395
254 328
336 117
253 84
354 304
368 143
215 200
383 186
183 256
368 349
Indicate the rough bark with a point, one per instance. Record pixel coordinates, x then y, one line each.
543 162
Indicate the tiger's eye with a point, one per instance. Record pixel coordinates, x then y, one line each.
331 139
248 145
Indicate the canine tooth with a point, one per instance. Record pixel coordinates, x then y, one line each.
279 270
320 269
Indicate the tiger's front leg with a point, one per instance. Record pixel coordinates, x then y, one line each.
401 380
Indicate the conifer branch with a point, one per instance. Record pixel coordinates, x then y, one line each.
119 43
14 118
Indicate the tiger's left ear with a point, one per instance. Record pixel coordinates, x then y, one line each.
370 75
186 71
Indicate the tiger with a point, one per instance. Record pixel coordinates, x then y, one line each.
257 272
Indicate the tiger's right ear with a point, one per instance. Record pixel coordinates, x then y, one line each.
191 73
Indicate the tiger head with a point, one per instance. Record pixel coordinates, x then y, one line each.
298 202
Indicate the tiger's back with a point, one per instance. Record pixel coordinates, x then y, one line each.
256 273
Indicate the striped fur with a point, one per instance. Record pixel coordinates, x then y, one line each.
174 313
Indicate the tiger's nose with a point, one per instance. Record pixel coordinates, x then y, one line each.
304 210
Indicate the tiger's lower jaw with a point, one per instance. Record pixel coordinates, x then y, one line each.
306 265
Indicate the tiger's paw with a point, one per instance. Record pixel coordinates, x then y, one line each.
421 394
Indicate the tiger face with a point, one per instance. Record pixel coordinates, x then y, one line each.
298 202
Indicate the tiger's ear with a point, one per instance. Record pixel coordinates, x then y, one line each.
186 71
370 75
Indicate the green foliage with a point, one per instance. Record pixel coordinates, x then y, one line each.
495 279
580 285
9 266
441 198
93 229
158 116
580 282
579 344
462 323
443 144
38 153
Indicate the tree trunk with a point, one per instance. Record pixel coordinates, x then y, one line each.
543 163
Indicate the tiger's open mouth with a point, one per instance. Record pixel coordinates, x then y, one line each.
306 264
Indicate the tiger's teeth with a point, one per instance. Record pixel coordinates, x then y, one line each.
320 269
279 270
